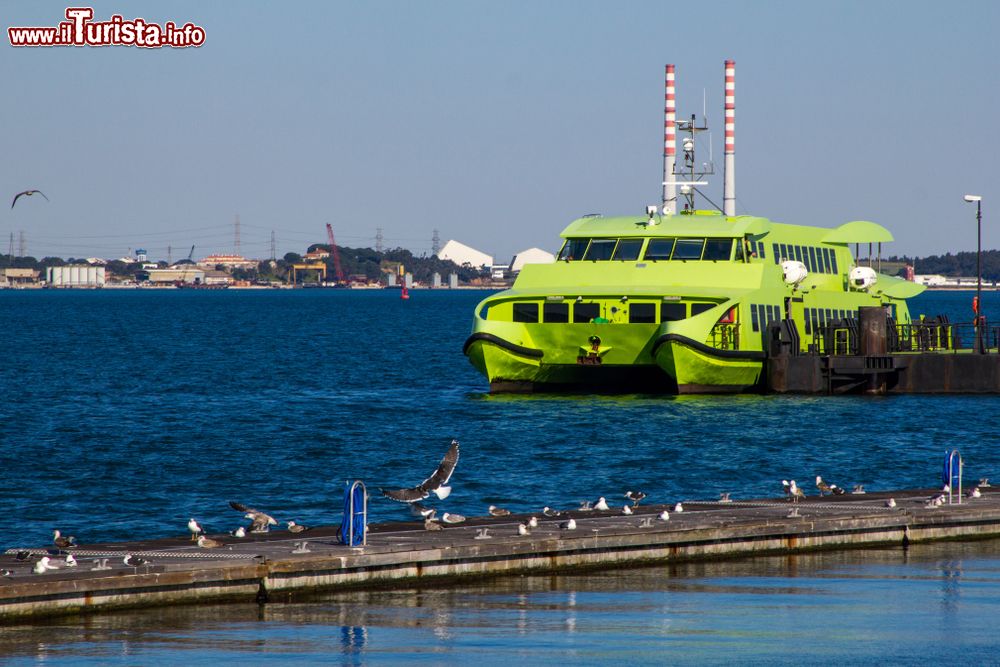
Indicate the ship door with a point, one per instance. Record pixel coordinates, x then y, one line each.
795 310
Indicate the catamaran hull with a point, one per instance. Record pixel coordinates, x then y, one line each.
699 369
516 369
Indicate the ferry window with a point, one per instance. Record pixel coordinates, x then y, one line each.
812 260
585 312
776 253
784 252
659 249
718 249
525 312
808 324
829 315
628 250
826 259
573 249
688 249
772 314
642 313
760 250
671 312
699 308
600 250
754 320
798 253
555 312
833 260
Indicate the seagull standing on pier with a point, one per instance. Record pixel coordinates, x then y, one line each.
134 561
533 522
601 504
548 511
447 517
297 527
664 516
436 483
63 542
825 488
260 522
27 193
568 525
795 491
195 529
498 511
522 529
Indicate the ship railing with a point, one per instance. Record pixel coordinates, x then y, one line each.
938 335
724 337
839 337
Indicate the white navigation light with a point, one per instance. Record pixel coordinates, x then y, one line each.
862 278
688 144
794 272
973 198
685 189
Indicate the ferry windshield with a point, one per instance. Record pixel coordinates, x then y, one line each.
600 249
718 249
688 249
573 249
628 250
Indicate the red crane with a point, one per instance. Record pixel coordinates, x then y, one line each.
336 255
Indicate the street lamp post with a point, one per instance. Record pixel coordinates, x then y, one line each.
979 269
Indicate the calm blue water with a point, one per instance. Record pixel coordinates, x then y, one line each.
126 412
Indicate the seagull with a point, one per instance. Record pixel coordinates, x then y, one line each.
935 501
435 484
586 506
260 522
601 504
42 566
635 497
297 527
678 508
548 511
208 543
787 487
974 492
134 561
533 522
825 488
67 542
240 532
795 491
195 529
27 193
891 503
984 483
858 490
724 497
568 525
664 516
626 510
431 524
498 511
6 573
523 529
416 509
447 517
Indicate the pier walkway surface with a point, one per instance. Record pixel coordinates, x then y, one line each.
278 565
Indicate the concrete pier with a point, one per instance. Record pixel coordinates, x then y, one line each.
280 565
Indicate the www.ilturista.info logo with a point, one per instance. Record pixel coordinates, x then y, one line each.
80 30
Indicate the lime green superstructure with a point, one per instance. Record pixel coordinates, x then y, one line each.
675 303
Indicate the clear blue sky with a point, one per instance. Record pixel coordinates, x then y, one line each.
493 122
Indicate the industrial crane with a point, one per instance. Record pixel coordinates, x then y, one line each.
336 255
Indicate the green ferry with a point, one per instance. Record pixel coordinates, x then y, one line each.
675 302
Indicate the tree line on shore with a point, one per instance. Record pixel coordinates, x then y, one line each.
955 265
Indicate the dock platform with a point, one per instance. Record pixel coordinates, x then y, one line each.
280 565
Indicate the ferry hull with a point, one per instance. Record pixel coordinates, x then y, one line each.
513 370
698 369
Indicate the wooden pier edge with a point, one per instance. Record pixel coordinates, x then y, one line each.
268 570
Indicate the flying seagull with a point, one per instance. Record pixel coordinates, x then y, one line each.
435 484
27 193
635 497
259 521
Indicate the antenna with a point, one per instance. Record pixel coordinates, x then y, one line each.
236 233
378 240
272 246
